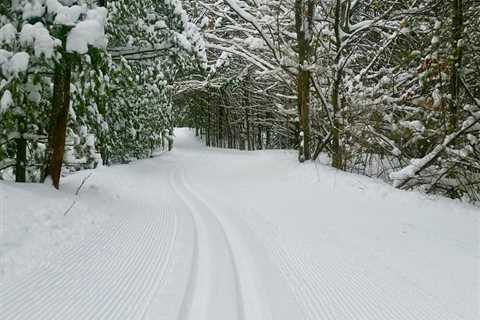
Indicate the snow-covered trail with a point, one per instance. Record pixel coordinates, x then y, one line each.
163 255
206 234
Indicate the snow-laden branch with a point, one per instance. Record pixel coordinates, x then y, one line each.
402 177
253 60
251 19
243 50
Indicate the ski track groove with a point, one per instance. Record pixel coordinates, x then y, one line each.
121 290
188 297
319 295
24 288
122 295
104 275
238 284
136 248
189 198
161 276
324 288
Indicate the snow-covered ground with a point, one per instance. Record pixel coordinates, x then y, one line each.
218 234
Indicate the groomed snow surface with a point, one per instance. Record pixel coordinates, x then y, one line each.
209 234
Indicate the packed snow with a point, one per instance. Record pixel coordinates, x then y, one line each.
203 233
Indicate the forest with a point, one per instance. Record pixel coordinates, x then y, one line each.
239 159
388 89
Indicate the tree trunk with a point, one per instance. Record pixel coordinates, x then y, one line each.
61 106
268 138
259 138
268 129
170 139
456 61
304 20
21 160
21 146
247 126
208 128
337 154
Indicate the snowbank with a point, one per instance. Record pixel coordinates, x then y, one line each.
37 220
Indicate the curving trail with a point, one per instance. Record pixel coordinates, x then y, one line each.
182 247
213 291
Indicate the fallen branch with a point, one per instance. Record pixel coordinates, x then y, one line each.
83 182
77 193
70 208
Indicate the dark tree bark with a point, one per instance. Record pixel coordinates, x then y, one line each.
61 106
247 128
457 8
304 13
21 160
20 146
170 139
259 138
337 154
208 139
268 139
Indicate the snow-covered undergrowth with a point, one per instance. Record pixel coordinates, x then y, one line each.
37 220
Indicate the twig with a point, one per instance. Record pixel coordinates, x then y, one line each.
83 182
70 208
321 145
77 193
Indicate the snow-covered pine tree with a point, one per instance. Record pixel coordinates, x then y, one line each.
116 105
27 55
152 44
